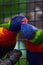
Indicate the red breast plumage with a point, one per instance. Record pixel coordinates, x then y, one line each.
7 38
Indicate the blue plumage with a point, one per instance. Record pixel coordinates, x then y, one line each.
35 28
28 31
16 23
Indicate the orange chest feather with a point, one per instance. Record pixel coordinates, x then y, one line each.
7 38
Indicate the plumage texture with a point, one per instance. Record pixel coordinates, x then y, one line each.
7 38
6 25
33 47
16 23
34 42
27 31
8 34
33 34
38 38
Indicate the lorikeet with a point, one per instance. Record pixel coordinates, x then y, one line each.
34 43
8 33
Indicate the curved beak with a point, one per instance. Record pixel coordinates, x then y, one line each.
24 20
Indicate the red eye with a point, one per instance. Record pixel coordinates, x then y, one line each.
17 18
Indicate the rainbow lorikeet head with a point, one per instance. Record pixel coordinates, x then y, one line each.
17 21
28 31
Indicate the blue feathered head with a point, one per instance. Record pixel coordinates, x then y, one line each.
17 22
28 31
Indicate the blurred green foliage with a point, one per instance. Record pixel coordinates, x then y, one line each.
11 7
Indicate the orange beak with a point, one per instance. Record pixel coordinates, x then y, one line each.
24 20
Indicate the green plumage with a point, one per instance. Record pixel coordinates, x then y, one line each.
6 25
38 38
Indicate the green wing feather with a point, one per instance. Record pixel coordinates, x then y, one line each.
6 25
38 38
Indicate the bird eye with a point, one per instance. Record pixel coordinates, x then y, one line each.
18 19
